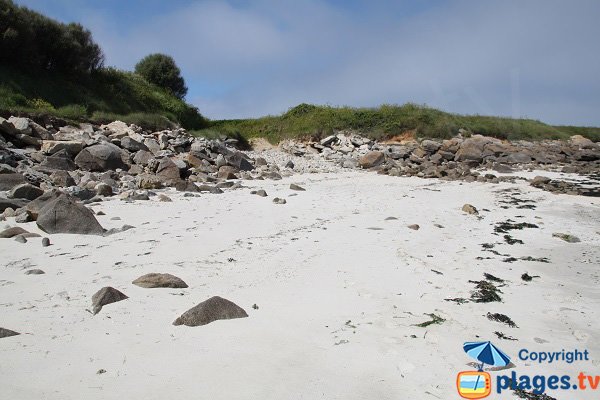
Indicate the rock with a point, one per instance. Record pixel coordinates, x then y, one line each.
259 161
152 145
147 181
24 217
72 147
371 159
63 215
34 272
62 179
21 125
124 228
502 168
25 191
60 161
567 237
45 242
414 227
328 140
104 296
259 192
132 145
518 158
472 149
168 171
36 205
12 232
155 280
290 164
102 189
7 333
101 157
227 172
8 181
293 186
164 198
239 161
187 186
581 142
20 239
211 310
277 200
540 181
220 161
430 146
142 157
469 209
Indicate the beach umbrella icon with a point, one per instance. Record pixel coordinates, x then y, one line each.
486 353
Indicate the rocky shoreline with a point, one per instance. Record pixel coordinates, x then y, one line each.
48 167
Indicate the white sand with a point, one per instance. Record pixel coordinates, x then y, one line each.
310 265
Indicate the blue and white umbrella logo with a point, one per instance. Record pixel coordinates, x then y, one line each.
486 353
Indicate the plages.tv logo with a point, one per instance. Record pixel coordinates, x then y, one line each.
478 384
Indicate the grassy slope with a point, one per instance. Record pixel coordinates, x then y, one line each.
389 120
106 95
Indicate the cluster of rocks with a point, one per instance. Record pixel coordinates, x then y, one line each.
47 168
460 158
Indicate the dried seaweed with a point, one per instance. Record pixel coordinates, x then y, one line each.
532 396
501 318
503 336
492 278
504 227
510 240
458 300
485 292
435 319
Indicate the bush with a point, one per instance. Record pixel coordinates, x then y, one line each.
162 71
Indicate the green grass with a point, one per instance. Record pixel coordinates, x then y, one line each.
386 121
100 96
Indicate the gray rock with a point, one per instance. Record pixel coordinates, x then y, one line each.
168 171
25 191
414 227
104 296
12 232
211 310
45 242
62 179
469 209
102 189
36 205
12 203
63 215
142 157
7 333
239 161
34 272
156 280
164 198
132 145
60 161
20 239
8 181
260 192
293 186
101 157
24 217
430 146
72 147
277 200
290 164
567 237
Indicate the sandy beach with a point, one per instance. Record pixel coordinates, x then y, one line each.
338 289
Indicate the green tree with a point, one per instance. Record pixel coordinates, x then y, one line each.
162 71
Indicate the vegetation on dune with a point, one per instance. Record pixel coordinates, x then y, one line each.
162 71
387 121
51 68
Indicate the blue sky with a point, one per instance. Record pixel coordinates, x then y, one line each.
527 58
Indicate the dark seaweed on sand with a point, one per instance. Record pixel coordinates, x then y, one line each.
510 240
503 336
435 319
504 227
485 292
501 318
492 278
458 300
532 396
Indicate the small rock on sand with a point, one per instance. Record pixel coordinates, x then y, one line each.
20 239
7 333
34 272
105 296
45 242
164 198
414 227
566 237
293 186
12 232
155 280
277 200
469 209
260 193
210 310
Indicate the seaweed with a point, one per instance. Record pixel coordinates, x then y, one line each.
510 259
458 300
492 278
504 227
501 318
532 396
435 319
540 259
528 278
486 292
503 336
510 240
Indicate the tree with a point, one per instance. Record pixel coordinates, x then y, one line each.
162 71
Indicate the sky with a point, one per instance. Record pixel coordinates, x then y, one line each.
536 59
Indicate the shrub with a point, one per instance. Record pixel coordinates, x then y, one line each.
162 71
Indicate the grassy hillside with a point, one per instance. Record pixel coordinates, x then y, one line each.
103 95
387 121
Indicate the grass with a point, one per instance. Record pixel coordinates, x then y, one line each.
107 94
309 121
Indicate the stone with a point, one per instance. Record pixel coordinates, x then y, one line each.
25 191
227 172
168 171
20 239
101 157
277 200
414 227
24 217
156 280
102 189
62 179
164 198
12 232
430 146
469 209
152 145
566 237
260 192
213 309
147 181
132 145
220 161
239 161
34 272
59 161
63 215
472 149
21 125
8 181
142 157
518 158
104 296
259 161
186 186
293 186
371 159
45 242
72 147
7 333
290 164
328 140
539 181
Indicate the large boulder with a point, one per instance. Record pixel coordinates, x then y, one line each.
12 203
63 215
239 161
155 280
36 205
101 157
472 149
104 296
132 145
371 159
25 191
12 232
59 161
168 171
62 179
8 181
210 310
72 147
